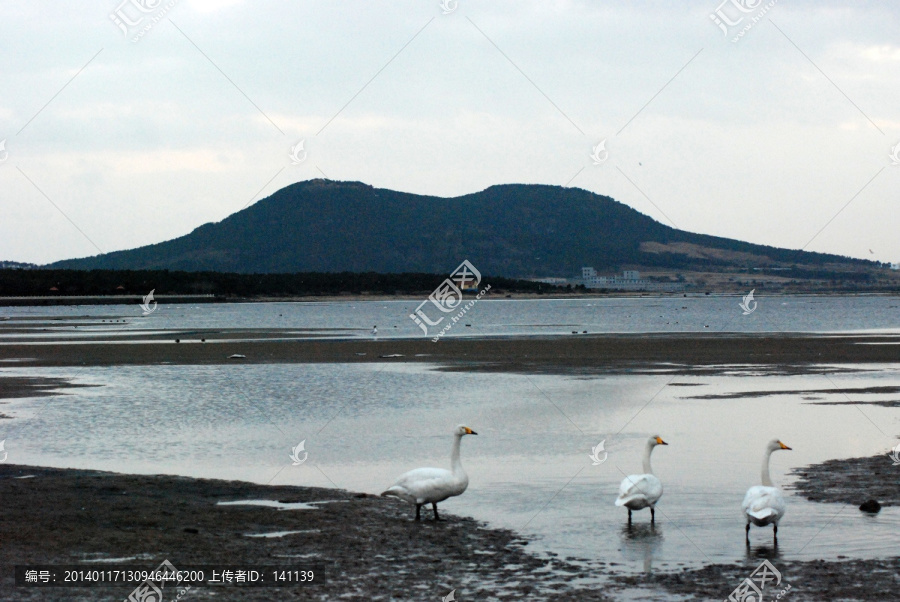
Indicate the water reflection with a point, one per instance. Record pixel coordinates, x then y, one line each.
641 542
756 553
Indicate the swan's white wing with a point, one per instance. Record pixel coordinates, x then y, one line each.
644 487
764 504
424 485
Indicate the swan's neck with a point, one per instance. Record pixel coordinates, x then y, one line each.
455 464
647 450
766 480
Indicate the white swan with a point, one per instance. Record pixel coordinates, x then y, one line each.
433 485
764 504
639 491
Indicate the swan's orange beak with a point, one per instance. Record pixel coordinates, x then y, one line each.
470 431
783 446
659 441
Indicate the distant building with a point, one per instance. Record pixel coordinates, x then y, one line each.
629 281
895 266
553 281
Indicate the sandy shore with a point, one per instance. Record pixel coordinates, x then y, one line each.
360 547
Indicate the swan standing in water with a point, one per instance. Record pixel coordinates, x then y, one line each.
639 491
764 504
432 485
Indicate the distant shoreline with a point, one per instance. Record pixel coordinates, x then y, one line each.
47 300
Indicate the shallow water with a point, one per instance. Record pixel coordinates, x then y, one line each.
489 317
529 467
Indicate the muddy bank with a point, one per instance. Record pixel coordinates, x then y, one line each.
815 580
676 353
851 481
359 546
12 387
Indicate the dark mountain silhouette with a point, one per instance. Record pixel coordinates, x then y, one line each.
512 230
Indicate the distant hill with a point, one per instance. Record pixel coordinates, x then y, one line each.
17 265
512 230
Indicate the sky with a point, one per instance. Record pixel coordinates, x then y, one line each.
126 123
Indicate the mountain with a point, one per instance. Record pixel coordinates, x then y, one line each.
512 230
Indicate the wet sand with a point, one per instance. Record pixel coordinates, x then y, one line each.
12 387
815 580
359 546
851 481
680 353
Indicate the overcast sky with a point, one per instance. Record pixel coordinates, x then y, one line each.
118 136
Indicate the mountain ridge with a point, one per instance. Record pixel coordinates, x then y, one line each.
511 230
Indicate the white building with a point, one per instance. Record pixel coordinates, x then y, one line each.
629 281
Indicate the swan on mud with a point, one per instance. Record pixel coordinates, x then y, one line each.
432 485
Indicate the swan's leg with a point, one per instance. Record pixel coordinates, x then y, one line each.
748 533
434 507
776 534
652 515
418 510
629 516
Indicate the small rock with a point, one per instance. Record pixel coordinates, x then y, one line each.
190 530
870 506
236 356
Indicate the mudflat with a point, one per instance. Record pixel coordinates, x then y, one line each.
783 353
359 547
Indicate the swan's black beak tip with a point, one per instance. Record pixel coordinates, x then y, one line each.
473 433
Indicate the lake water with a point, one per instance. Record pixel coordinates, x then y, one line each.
489 317
529 467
